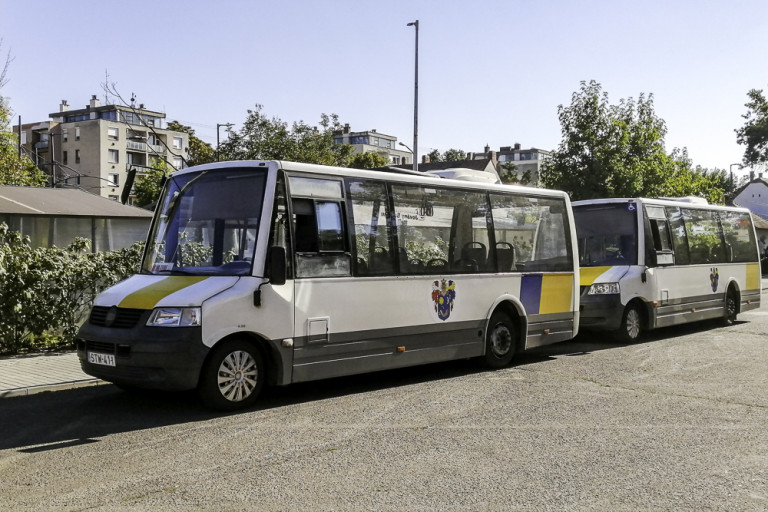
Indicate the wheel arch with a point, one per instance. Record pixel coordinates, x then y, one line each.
733 286
273 360
515 310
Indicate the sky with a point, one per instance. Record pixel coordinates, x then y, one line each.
491 72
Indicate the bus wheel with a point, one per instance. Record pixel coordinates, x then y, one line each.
499 341
631 324
729 314
232 377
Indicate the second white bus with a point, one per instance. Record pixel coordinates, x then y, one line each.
648 263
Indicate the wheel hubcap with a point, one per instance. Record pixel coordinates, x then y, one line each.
238 376
633 324
501 340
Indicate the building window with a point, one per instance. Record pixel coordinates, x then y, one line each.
177 143
64 157
114 179
64 135
77 133
77 156
114 156
113 133
177 162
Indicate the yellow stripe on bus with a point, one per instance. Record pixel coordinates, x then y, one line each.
149 296
589 274
556 293
753 276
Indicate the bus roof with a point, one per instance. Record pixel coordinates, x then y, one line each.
420 178
682 202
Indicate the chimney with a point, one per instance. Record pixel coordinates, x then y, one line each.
517 146
346 128
64 106
487 148
94 101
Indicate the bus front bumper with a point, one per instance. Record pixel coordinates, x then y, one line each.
600 312
163 358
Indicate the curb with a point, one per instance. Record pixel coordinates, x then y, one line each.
31 390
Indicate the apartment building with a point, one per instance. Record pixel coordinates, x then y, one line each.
372 141
516 164
94 147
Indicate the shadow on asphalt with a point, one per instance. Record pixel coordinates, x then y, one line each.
60 419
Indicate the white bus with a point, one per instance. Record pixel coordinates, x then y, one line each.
270 272
648 263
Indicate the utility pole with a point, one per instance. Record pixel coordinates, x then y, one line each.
416 101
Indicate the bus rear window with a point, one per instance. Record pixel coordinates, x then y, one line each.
607 234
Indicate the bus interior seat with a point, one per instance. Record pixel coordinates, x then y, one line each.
473 256
505 256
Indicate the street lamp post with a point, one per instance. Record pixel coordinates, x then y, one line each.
409 149
219 125
415 24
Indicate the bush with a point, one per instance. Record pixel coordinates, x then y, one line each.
46 292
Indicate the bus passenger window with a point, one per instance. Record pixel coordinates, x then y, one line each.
372 238
320 239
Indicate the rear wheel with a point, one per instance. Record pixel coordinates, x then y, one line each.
631 324
232 377
730 311
500 341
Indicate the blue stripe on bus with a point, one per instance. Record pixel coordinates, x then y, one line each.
530 293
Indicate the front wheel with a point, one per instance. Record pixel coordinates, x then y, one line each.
500 341
232 377
631 324
730 311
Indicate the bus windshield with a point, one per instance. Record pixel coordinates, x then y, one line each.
207 223
607 234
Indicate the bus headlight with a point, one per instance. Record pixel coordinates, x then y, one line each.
604 289
174 317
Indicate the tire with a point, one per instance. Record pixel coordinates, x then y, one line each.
631 324
500 341
731 309
232 377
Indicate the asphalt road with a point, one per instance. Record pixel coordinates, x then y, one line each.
676 422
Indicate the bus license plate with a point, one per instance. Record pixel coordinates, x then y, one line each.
102 359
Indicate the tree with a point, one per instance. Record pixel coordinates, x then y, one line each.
368 160
754 133
199 152
618 151
149 184
262 138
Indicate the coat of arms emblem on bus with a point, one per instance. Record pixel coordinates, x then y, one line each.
714 277
443 295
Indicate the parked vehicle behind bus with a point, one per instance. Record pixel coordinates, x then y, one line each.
274 272
648 263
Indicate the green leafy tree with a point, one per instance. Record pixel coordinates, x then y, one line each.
618 151
368 160
199 152
264 138
15 169
149 184
451 155
754 133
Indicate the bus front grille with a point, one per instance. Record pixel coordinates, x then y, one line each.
119 318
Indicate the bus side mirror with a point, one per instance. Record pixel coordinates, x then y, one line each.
278 268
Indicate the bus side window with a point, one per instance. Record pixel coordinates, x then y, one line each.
320 239
372 235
